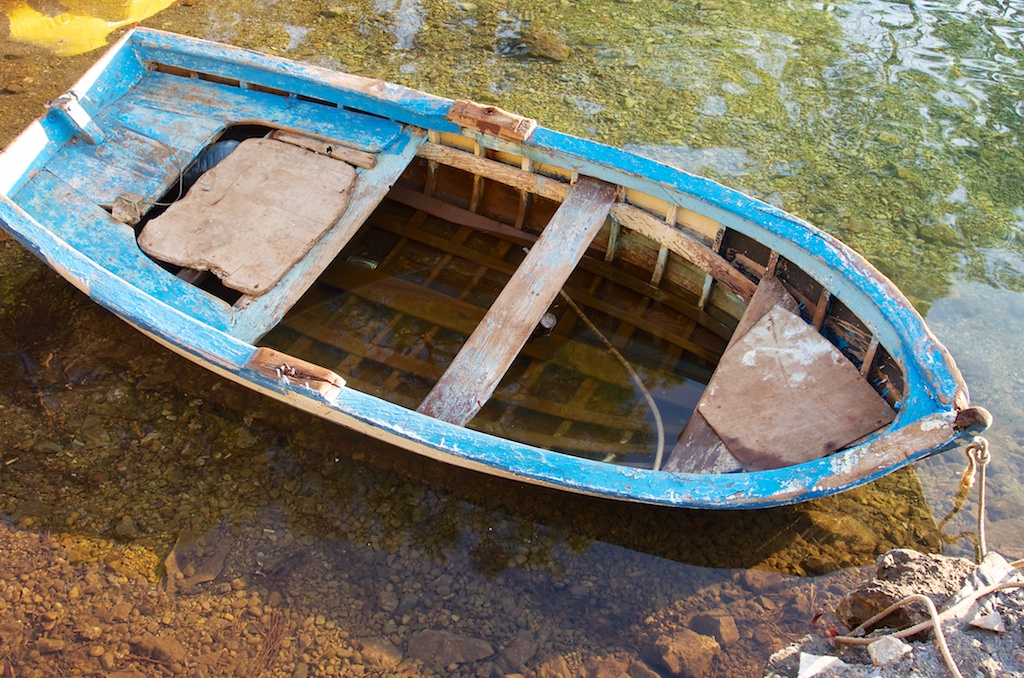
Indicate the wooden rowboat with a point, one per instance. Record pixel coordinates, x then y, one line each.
455 280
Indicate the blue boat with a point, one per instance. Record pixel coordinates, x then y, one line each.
454 279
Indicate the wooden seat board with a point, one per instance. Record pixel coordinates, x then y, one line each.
475 372
255 316
784 395
254 215
699 449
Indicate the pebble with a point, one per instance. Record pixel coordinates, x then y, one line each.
348 552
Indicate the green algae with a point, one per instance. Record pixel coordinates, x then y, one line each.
900 142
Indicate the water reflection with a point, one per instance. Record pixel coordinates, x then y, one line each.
72 27
894 126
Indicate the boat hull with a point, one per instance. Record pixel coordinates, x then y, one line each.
388 130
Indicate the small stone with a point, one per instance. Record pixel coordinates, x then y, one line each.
887 650
126 529
389 601
121 611
812 665
274 599
49 645
685 653
381 652
441 648
990 622
162 648
96 651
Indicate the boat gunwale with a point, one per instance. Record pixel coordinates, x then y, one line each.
870 295
934 388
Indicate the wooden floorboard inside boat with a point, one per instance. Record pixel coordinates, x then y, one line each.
394 309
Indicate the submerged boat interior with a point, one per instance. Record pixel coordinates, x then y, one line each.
605 353
450 274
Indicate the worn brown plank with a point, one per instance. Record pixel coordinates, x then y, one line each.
491 120
630 216
474 374
254 215
699 449
784 395
464 217
333 149
296 372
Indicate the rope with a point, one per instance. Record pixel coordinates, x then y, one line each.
935 622
629 369
632 373
978 457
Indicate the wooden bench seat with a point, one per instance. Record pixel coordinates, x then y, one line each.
251 218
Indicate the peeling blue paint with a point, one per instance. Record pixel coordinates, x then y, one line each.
80 240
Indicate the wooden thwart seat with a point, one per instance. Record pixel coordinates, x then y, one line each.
254 215
478 368
781 395
699 449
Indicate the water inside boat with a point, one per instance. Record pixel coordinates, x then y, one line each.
618 362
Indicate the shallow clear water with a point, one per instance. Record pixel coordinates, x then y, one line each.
896 127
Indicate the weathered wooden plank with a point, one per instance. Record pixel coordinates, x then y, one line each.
708 352
543 186
463 217
689 248
463 317
699 449
783 395
491 120
111 245
349 155
629 216
474 374
202 98
251 218
458 215
256 315
134 164
314 329
296 372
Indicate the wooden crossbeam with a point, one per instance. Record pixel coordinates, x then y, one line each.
475 372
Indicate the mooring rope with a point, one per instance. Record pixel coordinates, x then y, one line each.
978 457
935 622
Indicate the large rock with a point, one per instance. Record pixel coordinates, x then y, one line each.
162 648
721 627
898 574
519 651
441 648
685 653
380 652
